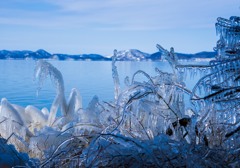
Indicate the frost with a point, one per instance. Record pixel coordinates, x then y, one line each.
155 123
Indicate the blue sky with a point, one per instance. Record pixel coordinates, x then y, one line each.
100 26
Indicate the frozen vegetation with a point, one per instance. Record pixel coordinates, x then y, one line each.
153 123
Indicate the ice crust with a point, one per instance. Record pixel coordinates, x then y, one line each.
148 124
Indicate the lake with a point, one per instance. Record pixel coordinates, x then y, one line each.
89 77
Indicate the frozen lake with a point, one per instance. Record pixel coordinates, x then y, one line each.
90 78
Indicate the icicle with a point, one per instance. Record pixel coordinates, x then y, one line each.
115 76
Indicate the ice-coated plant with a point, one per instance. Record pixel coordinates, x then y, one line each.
156 123
218 103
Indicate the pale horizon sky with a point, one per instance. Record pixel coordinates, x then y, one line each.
100 26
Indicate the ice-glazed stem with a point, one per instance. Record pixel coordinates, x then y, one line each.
170 56
44 69
74 103
115 76
144 73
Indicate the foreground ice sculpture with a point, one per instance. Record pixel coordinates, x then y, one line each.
149 124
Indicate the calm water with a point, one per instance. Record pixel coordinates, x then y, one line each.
90 78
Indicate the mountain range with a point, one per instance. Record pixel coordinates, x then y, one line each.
123 55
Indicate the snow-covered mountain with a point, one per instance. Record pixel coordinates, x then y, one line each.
123 55
136 55
132 55
42 54
39 54
83 57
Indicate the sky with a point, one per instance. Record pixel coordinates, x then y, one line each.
100 26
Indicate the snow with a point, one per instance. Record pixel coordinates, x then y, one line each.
131 55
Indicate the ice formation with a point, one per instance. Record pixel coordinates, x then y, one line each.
115 76
149 124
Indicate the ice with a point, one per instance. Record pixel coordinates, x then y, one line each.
158 122
115 75
36 116
44 69
170 56
68 109
92 111
74 104
8 111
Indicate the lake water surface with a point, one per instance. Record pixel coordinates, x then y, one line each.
90 78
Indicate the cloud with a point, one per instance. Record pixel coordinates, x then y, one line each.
116 14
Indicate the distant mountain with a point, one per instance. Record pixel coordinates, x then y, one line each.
132 55
123 55
83 57
204 54
42 54
39 54
199 55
